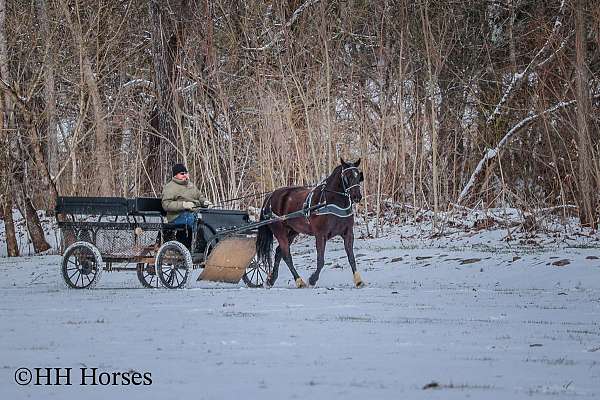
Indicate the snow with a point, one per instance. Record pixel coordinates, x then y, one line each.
464 316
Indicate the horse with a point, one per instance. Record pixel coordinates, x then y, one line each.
328 213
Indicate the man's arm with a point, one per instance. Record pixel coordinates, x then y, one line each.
201 201
172 205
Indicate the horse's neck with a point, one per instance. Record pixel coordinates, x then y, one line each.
332 190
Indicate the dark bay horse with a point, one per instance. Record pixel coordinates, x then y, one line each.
338 191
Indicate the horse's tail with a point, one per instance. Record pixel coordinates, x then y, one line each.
264 240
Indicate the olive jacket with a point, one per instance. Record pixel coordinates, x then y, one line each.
176 192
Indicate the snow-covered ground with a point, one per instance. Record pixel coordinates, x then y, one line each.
464 316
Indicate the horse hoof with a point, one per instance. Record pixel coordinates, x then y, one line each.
268 283
358 282
300 284
312 282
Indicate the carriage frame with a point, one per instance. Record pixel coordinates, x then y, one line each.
102 233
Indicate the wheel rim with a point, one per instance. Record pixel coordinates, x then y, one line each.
173 268
148 276
81 267
256 274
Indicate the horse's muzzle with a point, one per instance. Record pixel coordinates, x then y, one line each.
355 197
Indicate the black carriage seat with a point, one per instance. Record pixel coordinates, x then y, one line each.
114 207
152 207
110 206
146 206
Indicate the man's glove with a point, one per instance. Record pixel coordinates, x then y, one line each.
207 204
188 205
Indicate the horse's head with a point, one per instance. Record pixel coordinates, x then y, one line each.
351 178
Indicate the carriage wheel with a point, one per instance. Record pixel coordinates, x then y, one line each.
81 265
173 264
146 274
256 274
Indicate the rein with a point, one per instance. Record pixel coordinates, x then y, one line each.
250 196
243 197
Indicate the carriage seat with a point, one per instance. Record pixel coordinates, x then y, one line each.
104 206
151 207
114 206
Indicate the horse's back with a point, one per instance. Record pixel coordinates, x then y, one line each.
289 199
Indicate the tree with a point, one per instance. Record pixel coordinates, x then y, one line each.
588 167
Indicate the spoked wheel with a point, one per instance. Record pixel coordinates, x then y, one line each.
173 264
256 274
81 265
147 276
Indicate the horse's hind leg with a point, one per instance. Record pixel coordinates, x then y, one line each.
284 246
278 256
275 273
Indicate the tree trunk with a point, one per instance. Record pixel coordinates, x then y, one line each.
102 154
50 96
9 228
165 45
433 71
5 162
4 72
587 189
38 156
103 163
20 185
34 227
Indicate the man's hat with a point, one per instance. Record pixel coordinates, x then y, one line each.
177 168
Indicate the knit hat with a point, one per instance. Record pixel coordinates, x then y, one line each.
177 168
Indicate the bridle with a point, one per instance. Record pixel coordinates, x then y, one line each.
345 211
345 180
345 187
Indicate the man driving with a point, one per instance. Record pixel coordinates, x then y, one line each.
180 197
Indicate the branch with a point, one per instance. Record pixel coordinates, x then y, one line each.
492 153
19 100
143 83
288 25
517 78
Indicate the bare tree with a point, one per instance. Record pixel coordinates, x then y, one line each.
14 185
105 177
588 191
167 39
484 103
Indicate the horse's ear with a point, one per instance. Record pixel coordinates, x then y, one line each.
344 163
356 164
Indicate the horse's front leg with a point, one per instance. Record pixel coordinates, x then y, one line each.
349 246
321 240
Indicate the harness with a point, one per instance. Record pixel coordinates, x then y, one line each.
332 209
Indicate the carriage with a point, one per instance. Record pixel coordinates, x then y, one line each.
100 233
131 234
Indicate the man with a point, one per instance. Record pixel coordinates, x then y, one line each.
180 197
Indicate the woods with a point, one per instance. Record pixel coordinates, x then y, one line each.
476 104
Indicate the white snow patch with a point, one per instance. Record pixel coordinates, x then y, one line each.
466 314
